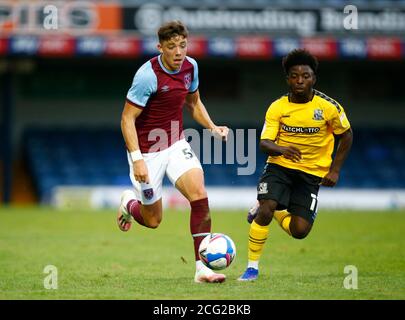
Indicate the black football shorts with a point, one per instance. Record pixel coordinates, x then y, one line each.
294 190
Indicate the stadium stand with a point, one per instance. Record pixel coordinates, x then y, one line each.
97 157
81 81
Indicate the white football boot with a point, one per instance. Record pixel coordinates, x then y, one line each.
124 218
205 274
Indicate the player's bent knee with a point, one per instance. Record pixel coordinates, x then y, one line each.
152 218
152 223
299 227
299 233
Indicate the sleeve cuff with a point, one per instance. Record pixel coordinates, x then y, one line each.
134 104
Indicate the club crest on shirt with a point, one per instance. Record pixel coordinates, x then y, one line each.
187 80
148 193
318 114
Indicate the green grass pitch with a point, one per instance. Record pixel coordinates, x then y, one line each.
97 261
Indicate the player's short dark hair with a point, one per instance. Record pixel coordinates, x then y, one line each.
299 57
171 29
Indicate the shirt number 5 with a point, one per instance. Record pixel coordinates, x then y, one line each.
188 153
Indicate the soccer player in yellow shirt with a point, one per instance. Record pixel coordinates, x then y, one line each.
298 135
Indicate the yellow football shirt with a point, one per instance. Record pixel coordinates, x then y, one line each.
307 126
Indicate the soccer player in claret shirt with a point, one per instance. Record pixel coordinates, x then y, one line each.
298 135
152 127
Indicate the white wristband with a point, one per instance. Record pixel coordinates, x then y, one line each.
136 155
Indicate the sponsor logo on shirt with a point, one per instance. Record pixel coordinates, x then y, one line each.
304 130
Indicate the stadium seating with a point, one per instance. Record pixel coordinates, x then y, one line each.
97 157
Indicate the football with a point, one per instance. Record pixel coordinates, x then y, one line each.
217 251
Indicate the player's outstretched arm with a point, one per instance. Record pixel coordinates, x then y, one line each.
129 114
200 114
343 148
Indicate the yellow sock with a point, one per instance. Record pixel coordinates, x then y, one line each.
257 237
283 218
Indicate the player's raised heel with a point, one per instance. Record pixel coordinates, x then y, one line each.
124 218
250 274
208 276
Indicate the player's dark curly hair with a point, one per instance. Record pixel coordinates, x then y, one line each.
299 57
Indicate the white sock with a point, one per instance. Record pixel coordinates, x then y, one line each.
127 198
253 264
